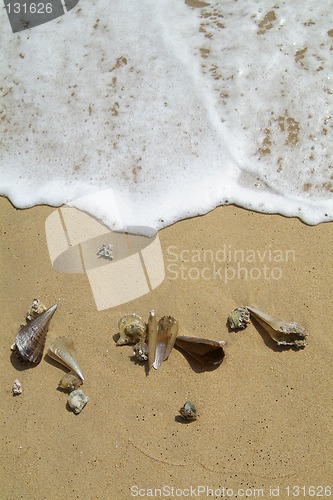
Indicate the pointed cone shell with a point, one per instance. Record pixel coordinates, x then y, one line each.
30 340
283 332
167 331
62 350
202 350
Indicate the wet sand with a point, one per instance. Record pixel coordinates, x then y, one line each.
264 414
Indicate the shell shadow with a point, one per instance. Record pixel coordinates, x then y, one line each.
196 366
55 363
19 365
181 420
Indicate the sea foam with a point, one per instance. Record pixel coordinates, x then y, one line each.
143 114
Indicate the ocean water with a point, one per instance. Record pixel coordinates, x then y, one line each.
144 113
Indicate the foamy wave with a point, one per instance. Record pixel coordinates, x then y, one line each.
175 107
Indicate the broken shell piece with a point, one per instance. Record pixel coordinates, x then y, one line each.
77 401
70 381
140 351
202 350
283 332
132 329
167 331
30 340
239 318
106 251
188 411
17 388
62 350
36 308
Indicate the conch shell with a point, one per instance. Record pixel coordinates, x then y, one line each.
202 350
161 339
282 332
62 350
30 340
132 329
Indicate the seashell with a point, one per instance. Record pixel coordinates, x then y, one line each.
202 350
283 332
167 331
62 350
140 351
77 401
70 381
106 252
188 411
239 318
17 388
30 340
152 338
36 308
132 329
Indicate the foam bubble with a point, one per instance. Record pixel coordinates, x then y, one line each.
175 109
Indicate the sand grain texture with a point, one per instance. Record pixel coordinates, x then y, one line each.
264 414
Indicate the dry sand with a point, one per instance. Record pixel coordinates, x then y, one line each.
265 415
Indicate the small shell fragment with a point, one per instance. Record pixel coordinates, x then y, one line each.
36 308
283 332
140 351
188 411
62 350
77 401
106 252
17 388
132 329
30 340
70 381
239 318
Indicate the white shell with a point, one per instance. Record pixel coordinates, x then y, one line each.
161 339
62 350
17 388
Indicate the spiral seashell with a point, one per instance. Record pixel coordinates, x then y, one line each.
62 350
30 340
132 329
239 318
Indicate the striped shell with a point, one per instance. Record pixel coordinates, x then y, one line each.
30 340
